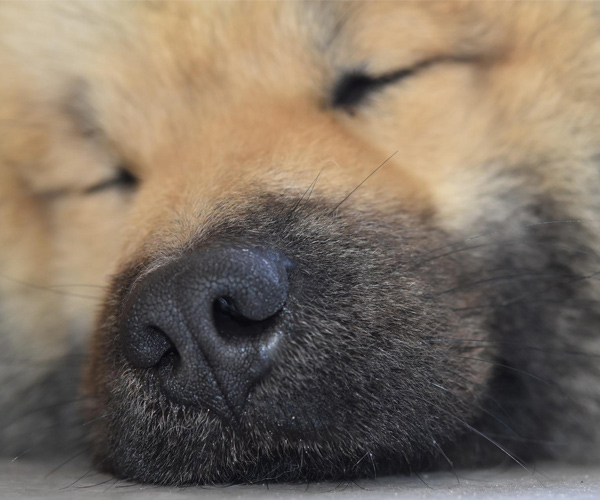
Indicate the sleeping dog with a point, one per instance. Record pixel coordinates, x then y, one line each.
253 241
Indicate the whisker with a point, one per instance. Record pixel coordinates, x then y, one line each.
110 479
498 278
503 241
101 417
489 439
516 344
422 480
89 471
505 228
115 481
78 285
130 485
527 300
62 404
70 441
70 459
364 180
49 289
488 396
355 483
579 279
521 439
21 455
308 189
511 368
312 188
495 417
443 453
71 358
447 254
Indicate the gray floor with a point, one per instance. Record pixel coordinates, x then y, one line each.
26 479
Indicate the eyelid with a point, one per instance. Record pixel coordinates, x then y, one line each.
124 178
354 86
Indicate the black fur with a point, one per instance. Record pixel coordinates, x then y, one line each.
405 351
356 389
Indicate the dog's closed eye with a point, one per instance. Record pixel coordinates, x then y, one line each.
354 87
123 179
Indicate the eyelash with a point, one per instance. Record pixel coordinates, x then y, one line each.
124 180
354 87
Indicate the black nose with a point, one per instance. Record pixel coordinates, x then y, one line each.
211 323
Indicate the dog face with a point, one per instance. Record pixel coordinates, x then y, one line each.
284 193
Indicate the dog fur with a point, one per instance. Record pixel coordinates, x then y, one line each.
430 167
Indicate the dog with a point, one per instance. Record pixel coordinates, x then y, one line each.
259 241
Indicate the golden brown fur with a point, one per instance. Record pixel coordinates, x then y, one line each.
213 105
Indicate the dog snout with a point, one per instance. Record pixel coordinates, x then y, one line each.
209 324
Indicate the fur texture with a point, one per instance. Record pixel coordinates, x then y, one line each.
430 168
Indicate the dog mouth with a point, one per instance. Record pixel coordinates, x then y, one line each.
288 351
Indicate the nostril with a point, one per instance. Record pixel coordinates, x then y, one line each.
231 324
226 305
147 345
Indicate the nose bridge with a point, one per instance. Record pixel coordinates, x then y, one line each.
278 130
256 133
